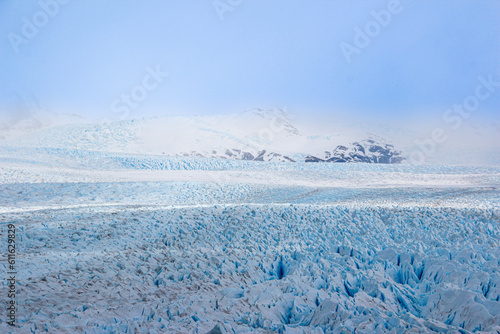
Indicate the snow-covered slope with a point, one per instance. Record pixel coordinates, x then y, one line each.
259 135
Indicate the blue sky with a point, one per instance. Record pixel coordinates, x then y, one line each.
260 53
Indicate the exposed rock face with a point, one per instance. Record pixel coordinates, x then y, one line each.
368 151
365 151
236 154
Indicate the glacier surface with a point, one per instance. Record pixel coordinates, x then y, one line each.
114 242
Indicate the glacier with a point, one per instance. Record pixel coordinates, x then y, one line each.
112 240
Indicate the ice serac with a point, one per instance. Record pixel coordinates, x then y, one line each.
368 151
248 268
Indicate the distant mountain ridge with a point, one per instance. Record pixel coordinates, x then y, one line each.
253 135
367 151
237 154
259 129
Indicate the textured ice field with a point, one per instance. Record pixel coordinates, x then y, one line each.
109 243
